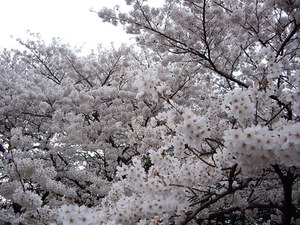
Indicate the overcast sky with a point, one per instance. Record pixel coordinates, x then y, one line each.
70 20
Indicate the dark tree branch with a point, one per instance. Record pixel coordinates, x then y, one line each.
214 200
288 38
287 179
77 71
180 44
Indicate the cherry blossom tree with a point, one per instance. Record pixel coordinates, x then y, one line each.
248 52
198 124
61 127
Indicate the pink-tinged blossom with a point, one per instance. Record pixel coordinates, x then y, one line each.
238 104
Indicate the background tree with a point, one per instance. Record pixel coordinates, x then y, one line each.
59 119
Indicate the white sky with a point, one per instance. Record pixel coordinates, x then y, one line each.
71 20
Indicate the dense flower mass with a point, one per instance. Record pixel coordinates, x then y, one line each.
197 123
256 147
237 103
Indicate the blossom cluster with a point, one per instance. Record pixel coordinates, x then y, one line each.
256 146
76 215
27 199
238 104
253 147
193 128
